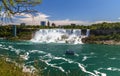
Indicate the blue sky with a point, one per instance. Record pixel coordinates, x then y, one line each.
85 10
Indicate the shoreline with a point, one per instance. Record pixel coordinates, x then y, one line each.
109 42
104 42
9 67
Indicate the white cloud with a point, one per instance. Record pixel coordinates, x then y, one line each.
78 22
104 21
30 19
68 22
118 18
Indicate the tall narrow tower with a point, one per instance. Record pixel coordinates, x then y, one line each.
14 30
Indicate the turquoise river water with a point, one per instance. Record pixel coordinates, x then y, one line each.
89 59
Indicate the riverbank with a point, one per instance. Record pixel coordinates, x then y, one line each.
105 42
109 42
8 68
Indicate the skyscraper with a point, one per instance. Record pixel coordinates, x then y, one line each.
43 23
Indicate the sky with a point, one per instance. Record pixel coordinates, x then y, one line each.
75 11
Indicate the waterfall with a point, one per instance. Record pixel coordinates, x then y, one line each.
72 36
87 32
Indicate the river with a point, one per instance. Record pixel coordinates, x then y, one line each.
89 59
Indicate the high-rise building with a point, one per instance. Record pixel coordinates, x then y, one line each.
43 23
14 30
22 24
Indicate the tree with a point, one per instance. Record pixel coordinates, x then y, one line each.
53 24
9 8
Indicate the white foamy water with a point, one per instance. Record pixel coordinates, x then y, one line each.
17 51
113 69
81 66
85 58
11 48
58 36
25 56
112 58
28 69
54 66
91 73
99 73
37 51
0 45
3 47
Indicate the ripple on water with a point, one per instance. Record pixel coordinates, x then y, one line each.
85 58
25 56
113 58
113 69
3 47
37 51
81 66
53 65
99 73
0 45
17 51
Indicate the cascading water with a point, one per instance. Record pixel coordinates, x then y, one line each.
87 32
58 36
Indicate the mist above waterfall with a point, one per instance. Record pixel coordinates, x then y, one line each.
72 36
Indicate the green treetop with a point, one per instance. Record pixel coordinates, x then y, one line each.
9 8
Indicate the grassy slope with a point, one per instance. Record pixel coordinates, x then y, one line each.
9 69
